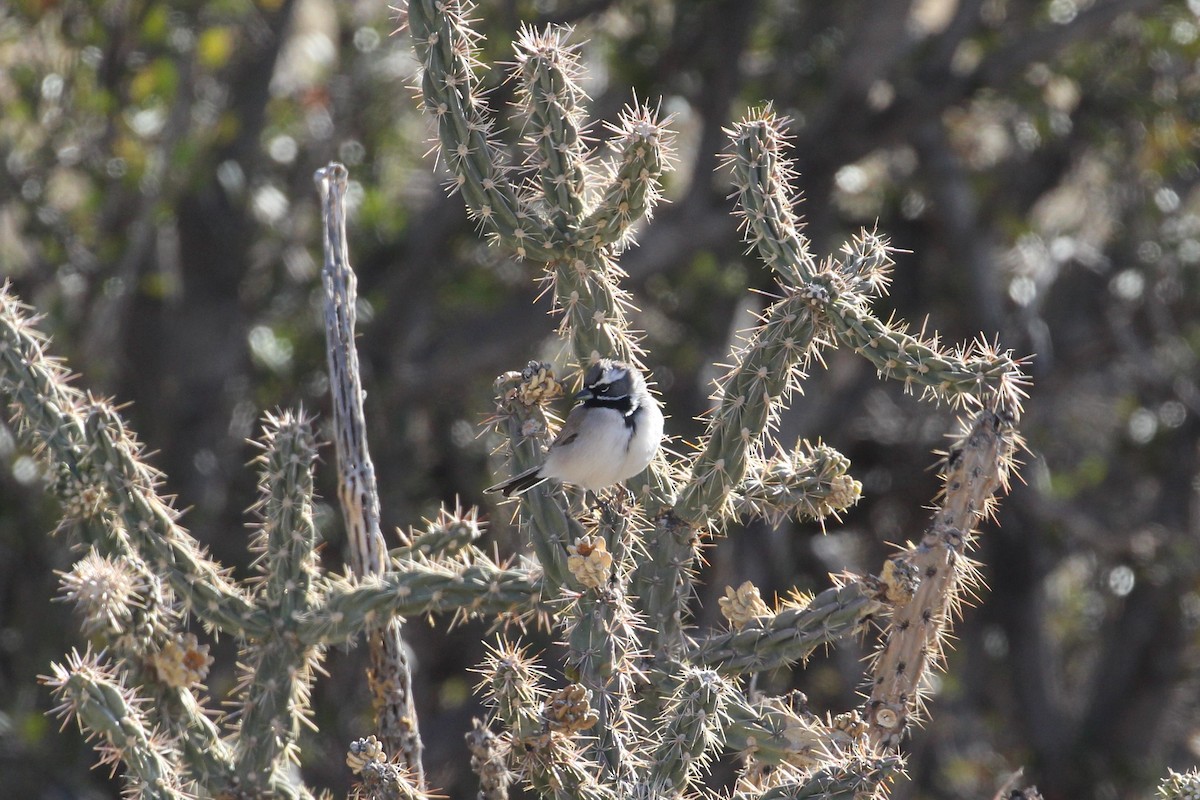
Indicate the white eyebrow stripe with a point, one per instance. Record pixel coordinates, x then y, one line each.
612 375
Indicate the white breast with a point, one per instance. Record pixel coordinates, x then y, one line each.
607 450
646 440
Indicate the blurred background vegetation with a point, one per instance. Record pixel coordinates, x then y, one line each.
1035 161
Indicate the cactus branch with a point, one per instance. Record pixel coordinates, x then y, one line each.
690 732
152 526
959 376
790 634
808 482
480 588
633 185
766 370
976 467
549 70
773 733
520 398
548 759
98 464
859 778
89 691
601 636
278 671
445 45
762 179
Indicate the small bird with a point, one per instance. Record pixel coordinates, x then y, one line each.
611 435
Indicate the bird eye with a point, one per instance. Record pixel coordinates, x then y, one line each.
602 389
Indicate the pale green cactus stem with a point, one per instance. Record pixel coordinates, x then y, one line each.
840 291
139 627
586 279
512 686
478 588
205 753
125 604
790 635
689 734
593 306
865 264
957 376
858 778
808 482
762 178
444 44
766 370
632 188
152 527
662 582
206 756
87 438
556 768
450 533
602 644
90 692
549 69
43 407
287 537
773 733
806 755
277 673
976 468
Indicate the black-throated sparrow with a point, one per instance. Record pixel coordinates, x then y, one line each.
611 435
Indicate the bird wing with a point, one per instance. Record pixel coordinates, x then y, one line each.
571 427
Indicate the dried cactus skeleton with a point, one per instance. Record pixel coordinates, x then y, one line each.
619 576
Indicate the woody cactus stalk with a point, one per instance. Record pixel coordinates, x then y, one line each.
390 675
616 570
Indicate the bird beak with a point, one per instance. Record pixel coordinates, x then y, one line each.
584 394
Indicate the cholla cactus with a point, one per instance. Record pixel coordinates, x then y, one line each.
617 575
573 218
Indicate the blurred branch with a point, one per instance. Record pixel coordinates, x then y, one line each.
1014 58
574 13
967 241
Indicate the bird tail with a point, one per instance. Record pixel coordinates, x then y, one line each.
519 484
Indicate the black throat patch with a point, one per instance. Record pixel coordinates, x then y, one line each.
623 404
